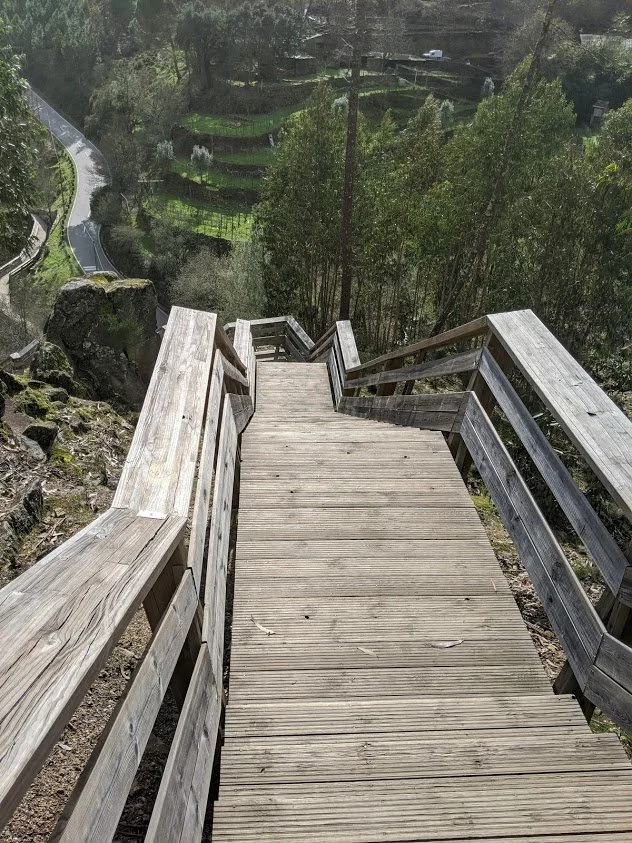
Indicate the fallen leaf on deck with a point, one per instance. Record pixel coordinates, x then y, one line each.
262 628
446 645
367 651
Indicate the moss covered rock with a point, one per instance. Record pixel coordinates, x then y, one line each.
106 327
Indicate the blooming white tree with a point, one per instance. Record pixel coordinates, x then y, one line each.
201 160
164 154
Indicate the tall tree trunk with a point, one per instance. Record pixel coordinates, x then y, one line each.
346 230
470 268
174 57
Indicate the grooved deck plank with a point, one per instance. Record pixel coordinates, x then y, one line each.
359 552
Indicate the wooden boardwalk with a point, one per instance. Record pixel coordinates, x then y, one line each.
359 557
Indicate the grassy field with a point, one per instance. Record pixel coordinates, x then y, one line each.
261 157
228 222
239 126
214 179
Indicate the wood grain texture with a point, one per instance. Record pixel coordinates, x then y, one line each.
215 598
178 814
167 436
383 685
569 609
453 364
202 503
486 807
432 412
473 329
96 806
609 558
592 421
59 621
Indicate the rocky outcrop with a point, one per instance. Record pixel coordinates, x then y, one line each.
106 328
25 512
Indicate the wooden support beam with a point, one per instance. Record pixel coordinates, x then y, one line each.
480 388
94 809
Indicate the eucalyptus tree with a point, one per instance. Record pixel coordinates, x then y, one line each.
17 153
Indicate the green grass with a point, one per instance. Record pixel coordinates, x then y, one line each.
261 157
58 263
238 125
214 179
225 221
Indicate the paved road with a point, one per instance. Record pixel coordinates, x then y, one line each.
82 230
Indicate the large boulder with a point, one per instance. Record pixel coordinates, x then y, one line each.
42 432
107 329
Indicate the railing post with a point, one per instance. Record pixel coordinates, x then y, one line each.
479 387
156 604
389 388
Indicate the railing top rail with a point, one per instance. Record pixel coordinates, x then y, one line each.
476 328
592 421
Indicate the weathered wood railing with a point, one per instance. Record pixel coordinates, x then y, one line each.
281 338
484 351
60 620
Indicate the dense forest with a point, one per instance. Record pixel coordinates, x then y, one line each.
158 86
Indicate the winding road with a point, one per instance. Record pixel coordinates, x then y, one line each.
82 231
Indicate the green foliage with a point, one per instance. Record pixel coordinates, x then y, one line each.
599 71
17 153
204 33
60 39
220 220
560 239
267 32
231 285
300 214
214 179
239 126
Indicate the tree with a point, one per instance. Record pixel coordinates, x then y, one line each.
201 160
488 87
446 112
268 31
205 34
299 216
346 230
164 154
469 271
230 285
17 154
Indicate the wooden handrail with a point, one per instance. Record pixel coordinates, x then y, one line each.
476 328
597 427
80 598
601 663
280 331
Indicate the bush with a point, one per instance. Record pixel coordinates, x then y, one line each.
123 244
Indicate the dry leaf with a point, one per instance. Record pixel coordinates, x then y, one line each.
367 651
446 645
494 586
262 628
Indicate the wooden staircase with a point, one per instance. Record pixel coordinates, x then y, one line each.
381 683
359 559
